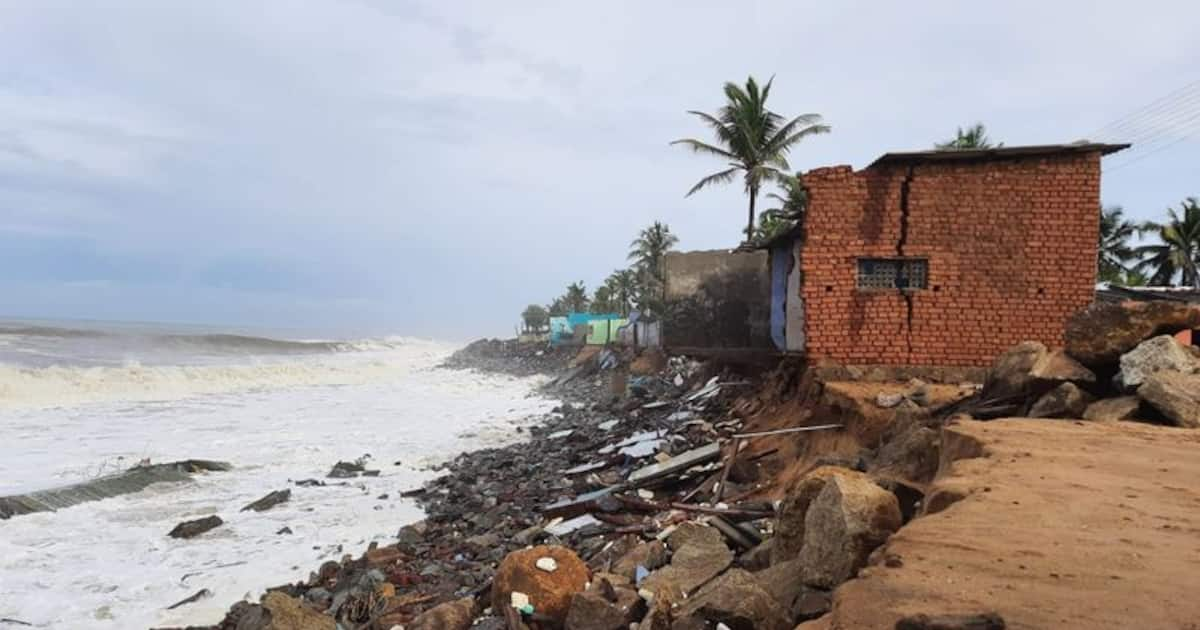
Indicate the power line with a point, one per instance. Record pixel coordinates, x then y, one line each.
1153 106
1148 154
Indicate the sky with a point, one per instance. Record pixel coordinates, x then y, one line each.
429 168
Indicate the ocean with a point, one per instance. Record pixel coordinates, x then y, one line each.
83 399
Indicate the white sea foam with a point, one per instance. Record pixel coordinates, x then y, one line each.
109 564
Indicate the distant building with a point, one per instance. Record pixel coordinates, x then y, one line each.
926 258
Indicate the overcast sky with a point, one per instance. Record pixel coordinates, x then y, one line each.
430 168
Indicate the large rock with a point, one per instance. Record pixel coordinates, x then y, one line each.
1058 367
1113 409
699 555
738 600
844 524
1175 395
456 615
271 500
650 555
911 456
1010 373
191 529
288 613
789 524
549 592
1064 401
1156 354
1100 334
604 606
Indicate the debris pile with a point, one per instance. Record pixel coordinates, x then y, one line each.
1121 362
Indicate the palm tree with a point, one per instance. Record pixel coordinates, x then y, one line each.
622 285
576 298
752 139
557 308
650 247
603 301
973 137
1115 251
1178 248
789 211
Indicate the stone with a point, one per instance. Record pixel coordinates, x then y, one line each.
912 456
782 582
789 524
811 604
1058 367
1156 354
288 613
381 557
845 522
1064 401
549 593
269 501
1175 395
887 401
191 529
453 615
593 610
699 555
738 600
650 555
1113 409
757 558
1010 373
1100 334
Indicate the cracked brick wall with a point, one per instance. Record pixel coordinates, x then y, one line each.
1011 246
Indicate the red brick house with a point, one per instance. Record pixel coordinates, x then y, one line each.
939 257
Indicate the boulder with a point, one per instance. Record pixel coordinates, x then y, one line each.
911 456
1113 409
1064 401
985 621
789 524
549 592
269 501
1010 373
1175 395
191 529
736 599
650 555
1058 367
845 522
455 615
1100 334
782 582
288 613
604 607
699 555
1156 354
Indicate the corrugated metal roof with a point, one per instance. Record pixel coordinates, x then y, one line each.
1000 153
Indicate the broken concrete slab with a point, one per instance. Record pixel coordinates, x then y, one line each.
679 463
133 480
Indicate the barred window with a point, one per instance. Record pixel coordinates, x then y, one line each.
893 273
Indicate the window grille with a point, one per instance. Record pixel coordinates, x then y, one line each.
893 273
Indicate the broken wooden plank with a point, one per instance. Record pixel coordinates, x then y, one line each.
819 427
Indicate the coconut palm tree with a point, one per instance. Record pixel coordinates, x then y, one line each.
576 298
1115 250
753 140
791 201
622 284
603 301
973 137
650 247
1178 248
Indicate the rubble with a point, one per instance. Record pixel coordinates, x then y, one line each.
847 520
1176 395
1161 353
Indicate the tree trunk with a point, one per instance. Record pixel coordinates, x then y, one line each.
750 221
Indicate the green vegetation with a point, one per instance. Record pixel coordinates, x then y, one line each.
1177 252
973 137
753 141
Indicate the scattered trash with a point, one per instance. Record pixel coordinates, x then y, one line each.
569 526
680 462
546 564
560 434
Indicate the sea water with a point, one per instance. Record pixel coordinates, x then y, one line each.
79 400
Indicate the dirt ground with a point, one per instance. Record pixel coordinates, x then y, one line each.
1066 524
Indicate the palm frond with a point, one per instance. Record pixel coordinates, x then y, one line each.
722 177
703 147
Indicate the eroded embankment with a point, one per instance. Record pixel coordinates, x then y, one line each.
1061 524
